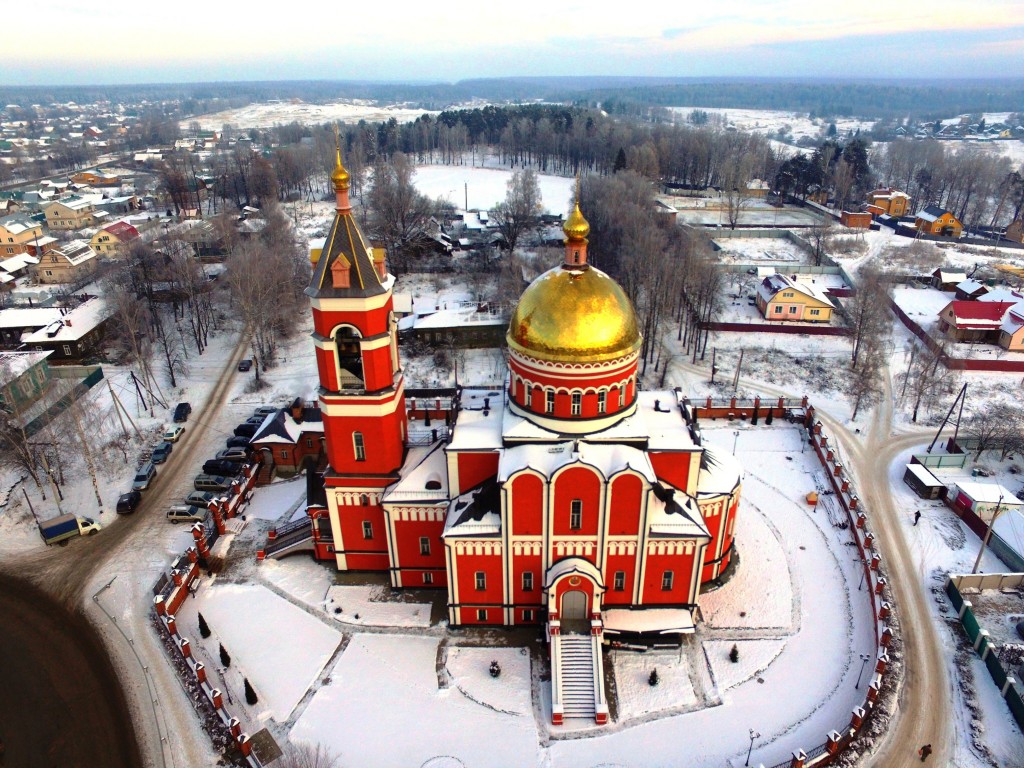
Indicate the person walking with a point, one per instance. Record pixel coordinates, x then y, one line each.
917 516
925 752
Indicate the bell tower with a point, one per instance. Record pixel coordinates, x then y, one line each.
361 386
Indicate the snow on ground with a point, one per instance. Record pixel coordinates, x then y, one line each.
746 249
755 656
769 121
486 186
940 544
273 501
637 697
753 213
269 114
383 707
743 602
509 693
364 606
301 578
811 681
281 653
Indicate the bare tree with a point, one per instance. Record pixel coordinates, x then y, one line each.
865 385
995 425
519 211
926 377
399 213
308 756
819 236
867 314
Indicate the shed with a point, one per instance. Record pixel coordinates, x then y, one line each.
925 484
983 498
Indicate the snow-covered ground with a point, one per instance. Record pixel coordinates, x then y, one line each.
770 121
269 114
743 250
487 186
942 544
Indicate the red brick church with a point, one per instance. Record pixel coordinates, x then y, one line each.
568 499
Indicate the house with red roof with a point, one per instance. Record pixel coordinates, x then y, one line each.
114 240
973 321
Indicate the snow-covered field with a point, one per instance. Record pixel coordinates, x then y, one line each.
769 121
748 249
486 186
268 114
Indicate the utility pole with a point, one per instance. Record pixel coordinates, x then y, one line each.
736 378
988 533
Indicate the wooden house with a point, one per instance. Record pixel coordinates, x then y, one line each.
938 221
781 298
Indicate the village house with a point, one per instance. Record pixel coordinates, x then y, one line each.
114 240
937 221
888 201
70 213
95 179
67 264
855 219
970 290
947 280
24 377
18 323
17 233
996 322
290 439
781 298
75 336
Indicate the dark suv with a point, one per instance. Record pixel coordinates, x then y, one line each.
222 467
128 502
181 412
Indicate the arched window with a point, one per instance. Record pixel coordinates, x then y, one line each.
577 403
364 500
549 401
602 401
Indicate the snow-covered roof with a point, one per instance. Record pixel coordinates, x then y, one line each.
924 475
946 276
477 428
401 303
32 317
932 213
18 262
720 473
547 459
281 428
475 513
424 466
773 284
573 565
978 314
989 493
673 514
460 317
969 286
74 325
662 621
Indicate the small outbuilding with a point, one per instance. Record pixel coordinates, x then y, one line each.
983 498
925 484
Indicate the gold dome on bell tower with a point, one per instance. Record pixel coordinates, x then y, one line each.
576 227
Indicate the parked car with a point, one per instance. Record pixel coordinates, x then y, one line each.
244 366
184 513
182 412
144 476
161 453
264 410
246 430
235 454
128 502
199 498
206 482
172 434
238 441
222 467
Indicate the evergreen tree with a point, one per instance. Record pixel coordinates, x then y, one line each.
225 659
250 695
204 628
620 161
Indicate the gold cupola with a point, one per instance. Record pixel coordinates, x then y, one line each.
574 316
339 177
576 228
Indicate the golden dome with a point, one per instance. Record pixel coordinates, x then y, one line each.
574 315
340 176
576 227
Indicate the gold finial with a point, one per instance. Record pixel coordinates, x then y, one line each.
340 176
576 227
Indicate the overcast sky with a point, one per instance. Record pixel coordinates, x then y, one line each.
72 41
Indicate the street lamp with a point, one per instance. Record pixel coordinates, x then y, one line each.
753 735
735 439
863 573
863 663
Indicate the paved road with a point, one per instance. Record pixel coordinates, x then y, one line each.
43 593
